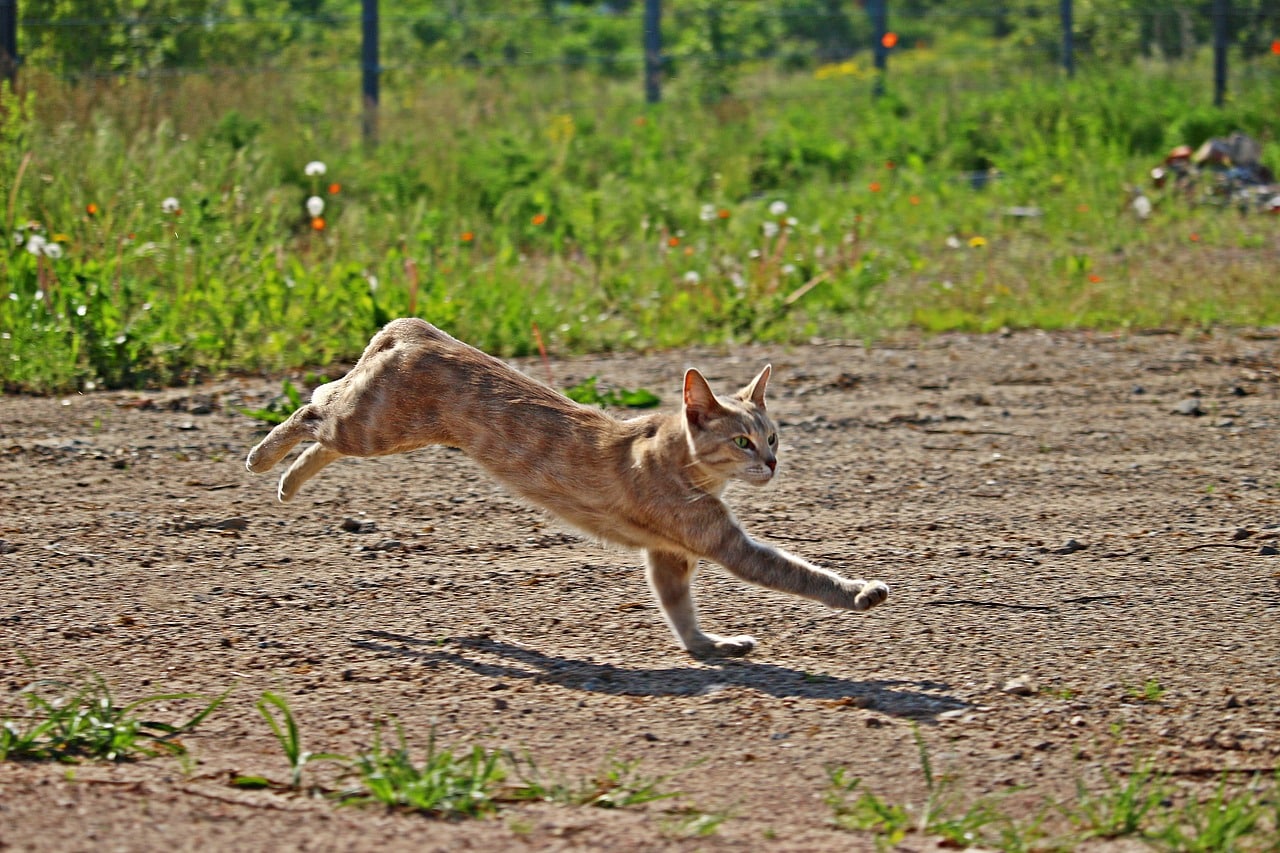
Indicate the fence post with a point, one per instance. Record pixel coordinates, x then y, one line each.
1068 39
370 69
878 12
652 51
9 41
1220 12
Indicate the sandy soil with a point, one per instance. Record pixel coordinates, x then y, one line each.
1090 513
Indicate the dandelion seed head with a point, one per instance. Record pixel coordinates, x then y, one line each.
314 168
315 206
692 277
778 208
770 228
171 205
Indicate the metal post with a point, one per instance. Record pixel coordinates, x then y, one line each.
1068 39
1221 9
370 68
9 41
878 11
653 51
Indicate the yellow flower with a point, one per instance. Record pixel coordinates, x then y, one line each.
977 242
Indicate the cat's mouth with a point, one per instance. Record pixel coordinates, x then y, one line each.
757 476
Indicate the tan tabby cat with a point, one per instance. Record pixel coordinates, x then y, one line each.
652 482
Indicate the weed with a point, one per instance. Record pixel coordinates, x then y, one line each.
442 784
617 785
86 723
1121 809
1150 691
280 408
285 728
587 393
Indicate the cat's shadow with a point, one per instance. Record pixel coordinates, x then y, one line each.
919 700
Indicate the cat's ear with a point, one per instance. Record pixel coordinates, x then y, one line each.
699 402
755 388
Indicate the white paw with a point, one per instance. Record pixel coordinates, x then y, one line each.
871 594
713 646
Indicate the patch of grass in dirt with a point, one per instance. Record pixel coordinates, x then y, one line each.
617 785
66 722
1140 807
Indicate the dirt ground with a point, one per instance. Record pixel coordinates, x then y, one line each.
1092 517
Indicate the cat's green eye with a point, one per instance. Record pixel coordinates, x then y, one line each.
742 441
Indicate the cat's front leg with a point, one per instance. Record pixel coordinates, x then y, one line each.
774 568
669 577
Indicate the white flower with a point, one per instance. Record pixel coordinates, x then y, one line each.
708 213
770 228
788 269
314 168
35 244
52 250
315 206
170 205
792 222
778 208
82 310
692 277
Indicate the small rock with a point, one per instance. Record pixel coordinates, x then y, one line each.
7 547
1020 686
233 523
1077 721
500 704
1190 407
1241 533
1232 702
355 525
1070 547
1269 550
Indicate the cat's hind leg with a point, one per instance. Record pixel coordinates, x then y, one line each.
306 466
669 576
300 425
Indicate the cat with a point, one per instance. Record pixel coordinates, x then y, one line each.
651 482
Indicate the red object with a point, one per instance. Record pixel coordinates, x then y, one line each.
1275 47
889 40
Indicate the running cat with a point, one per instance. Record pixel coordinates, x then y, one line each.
652 482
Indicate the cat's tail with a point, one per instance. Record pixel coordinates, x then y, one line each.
301 425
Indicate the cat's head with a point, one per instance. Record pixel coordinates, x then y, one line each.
730 438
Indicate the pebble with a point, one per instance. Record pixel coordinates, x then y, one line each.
1020 686
355 525
1190 407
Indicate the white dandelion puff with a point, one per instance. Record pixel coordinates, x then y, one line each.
315 168
170 205
315 206
770 228
778 208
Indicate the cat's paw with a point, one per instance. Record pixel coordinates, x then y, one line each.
713 646
871 594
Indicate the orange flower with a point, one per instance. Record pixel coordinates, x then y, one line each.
335 188
1275 47
688 251
1094 278
673 241
875 186
889 164
91 209
317 223
889 40
723 213
467 236
539 219
1195 238
915 199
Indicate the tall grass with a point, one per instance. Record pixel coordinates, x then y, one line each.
497 200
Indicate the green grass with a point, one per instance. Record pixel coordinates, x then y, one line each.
69 723
1142 807
564 204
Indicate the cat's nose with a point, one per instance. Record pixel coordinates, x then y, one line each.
772 463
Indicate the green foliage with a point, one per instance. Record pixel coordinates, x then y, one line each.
442 784
556 198
274 708
85 722
617 785
279 409
588 394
